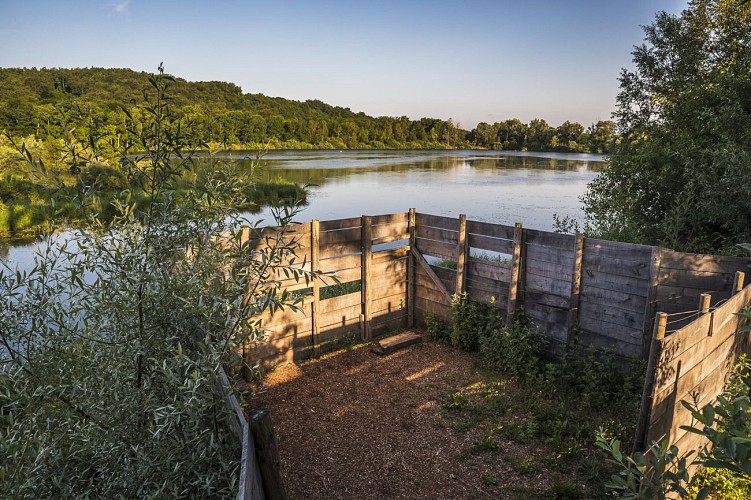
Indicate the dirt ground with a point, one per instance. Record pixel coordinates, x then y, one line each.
357 425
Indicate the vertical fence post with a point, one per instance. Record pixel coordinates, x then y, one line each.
367 252
649 309
576 276
738 282
264 437
515 274
647 396
411 271
462 248
315 266
704 300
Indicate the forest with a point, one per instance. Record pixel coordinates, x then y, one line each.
222 115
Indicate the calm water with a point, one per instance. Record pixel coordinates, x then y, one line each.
488 186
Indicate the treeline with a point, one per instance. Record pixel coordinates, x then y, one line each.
221 114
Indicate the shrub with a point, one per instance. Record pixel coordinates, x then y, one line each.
516 350
471 321
438 330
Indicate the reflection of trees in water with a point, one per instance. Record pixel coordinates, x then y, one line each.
4 249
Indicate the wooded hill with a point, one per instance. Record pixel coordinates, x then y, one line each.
223 115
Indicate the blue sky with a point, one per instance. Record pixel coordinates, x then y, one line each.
472 60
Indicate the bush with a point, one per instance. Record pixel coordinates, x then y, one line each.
438 330
516 350
471 321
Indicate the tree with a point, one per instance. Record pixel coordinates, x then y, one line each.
679 177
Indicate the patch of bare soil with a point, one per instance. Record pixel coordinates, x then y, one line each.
357 425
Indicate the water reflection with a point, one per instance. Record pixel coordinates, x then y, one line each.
489 186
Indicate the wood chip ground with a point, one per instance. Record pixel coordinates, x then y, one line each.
355 425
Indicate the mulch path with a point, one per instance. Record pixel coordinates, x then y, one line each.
357 425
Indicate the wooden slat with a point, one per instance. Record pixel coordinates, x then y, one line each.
391 254
625 284
390 219
331 250
704 263
548 254
340 302
697 279
437 249
631 319
340 262
328 225
431 274
341 236
625 251
437 221
548 239
550 286
549 269
484 269
425 304
493 244
575 299
315 231
340 315
500 300
619 267
411 271
390 304
559 301
492 230
516 274
400 229
620 300
437 234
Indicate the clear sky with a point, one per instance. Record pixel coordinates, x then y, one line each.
470 60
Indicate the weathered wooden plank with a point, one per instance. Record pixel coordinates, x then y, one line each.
396 342
625 284
619 267
492 230
617 250
631 319
549 269
487 284
431 274
287 315
389 288
391 254
478 268
548 239
617 299
389 267
341 236
426 305
599 326
517 278
559 301
596 339
340 302
574 299
340 315
337 326
389 304
546 313
386 322
390 219
483 242
437 249
390 239
558 256
330 225
550 286
447 277
697 279
331 250
400 229
705 263
315 232
437 221
340 262
437 234
345 276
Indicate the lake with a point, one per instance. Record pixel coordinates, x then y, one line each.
489 186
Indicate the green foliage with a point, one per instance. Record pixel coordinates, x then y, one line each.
471 321
438 330
680 175
515 350
721 483
110 344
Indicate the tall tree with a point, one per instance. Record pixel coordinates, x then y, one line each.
680 176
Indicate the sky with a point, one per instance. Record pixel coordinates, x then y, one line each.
471 60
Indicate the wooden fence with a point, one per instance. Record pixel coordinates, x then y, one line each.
575 289
690 364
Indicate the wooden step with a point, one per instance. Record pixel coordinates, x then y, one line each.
395 342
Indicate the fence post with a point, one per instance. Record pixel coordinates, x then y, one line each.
642 425
367 252
704 300
315 266
462 248
649 310
515 274
576 276
411 271
738 282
